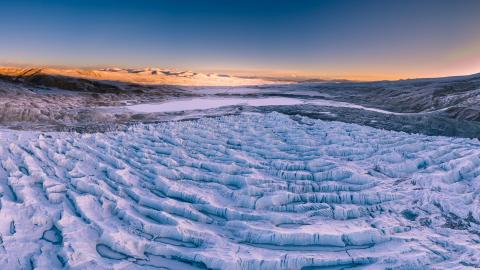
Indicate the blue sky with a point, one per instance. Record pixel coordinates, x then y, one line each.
323 38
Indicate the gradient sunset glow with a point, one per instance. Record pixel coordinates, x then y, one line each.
359 40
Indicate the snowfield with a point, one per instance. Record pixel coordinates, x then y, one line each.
251 191
211 103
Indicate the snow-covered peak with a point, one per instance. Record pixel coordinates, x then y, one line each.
152 75
148 76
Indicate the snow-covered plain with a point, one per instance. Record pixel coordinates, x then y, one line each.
203 103
210 103
256 191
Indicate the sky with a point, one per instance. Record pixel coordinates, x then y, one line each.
365 40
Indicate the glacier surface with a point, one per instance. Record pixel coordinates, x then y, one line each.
250 191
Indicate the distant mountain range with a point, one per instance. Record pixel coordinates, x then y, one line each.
149 76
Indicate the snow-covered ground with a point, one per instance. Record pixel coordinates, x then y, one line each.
252 191
210 103
203 103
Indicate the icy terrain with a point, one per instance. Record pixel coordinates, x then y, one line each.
251 191
91 100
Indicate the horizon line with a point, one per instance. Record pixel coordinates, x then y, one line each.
292 75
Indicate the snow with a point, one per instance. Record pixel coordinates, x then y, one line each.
256 191
211 103
332 103
203 103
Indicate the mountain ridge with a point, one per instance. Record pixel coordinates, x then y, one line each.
147 76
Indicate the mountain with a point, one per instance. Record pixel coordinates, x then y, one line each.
110 79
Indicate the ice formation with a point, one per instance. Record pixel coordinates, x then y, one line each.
254 191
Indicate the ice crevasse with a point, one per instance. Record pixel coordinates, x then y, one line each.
263 191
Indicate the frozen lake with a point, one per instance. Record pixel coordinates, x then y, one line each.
204 103
210 103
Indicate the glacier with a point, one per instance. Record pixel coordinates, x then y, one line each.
247 191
